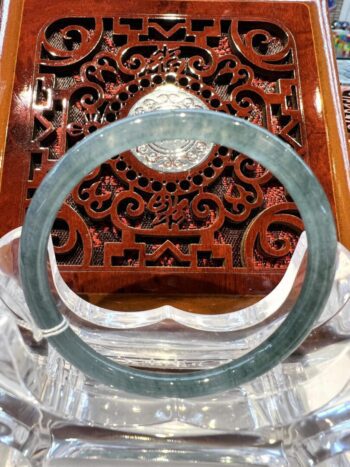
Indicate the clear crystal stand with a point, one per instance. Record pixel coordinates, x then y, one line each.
52 414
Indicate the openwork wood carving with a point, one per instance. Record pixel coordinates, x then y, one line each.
224 211
346 105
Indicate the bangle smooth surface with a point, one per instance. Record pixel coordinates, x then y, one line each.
203 125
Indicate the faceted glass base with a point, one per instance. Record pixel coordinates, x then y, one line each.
52 414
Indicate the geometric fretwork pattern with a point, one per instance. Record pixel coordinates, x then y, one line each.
346 105
227 212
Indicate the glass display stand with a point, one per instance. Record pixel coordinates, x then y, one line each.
52 414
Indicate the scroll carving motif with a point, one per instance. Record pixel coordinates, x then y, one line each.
225 212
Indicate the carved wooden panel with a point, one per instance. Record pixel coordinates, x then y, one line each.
92 71
146 213
346 105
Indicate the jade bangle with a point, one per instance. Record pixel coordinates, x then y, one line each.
213 127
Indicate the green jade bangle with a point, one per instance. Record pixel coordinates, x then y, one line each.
213 127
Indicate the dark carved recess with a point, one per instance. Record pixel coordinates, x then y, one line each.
346 105
227 212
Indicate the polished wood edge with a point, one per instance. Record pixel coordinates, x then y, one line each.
10 27
338 146
204 304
